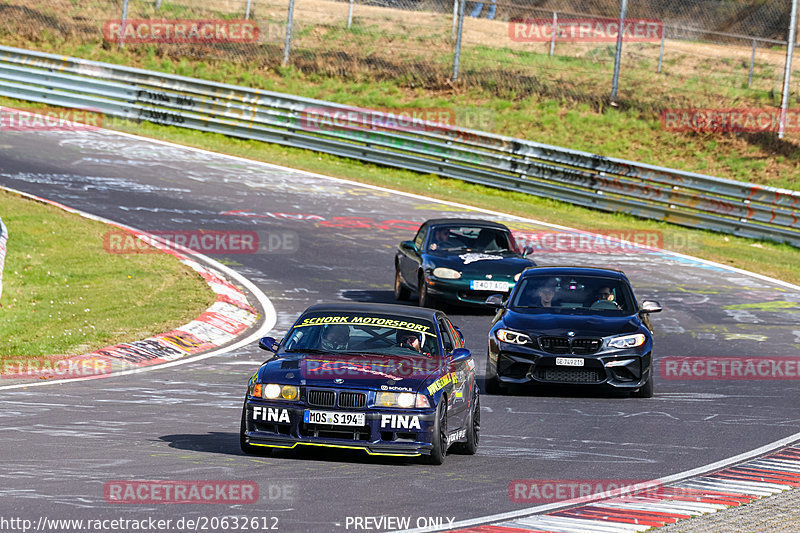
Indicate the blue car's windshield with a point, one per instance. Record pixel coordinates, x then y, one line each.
356 333
574 295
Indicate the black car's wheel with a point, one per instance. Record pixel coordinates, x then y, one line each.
473 430
249 448
646 390
425 299
401 292
439 450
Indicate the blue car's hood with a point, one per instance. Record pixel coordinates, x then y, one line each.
473 263
543 322
389 372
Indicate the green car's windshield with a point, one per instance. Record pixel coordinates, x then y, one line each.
470 239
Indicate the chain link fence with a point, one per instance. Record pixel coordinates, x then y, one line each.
682 53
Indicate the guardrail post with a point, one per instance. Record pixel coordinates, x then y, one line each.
457 55
787 71
455 20
350 15
287 44
553 36
247 11
3 244
661 50
122 25
618 54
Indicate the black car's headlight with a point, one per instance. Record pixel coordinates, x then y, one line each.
446 273
273 391
513 337
627 341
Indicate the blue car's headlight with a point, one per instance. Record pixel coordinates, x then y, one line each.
404 400
513 337
628 341
446 273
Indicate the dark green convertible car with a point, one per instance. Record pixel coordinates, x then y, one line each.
460 261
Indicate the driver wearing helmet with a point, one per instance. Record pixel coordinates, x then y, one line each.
409 339
335 337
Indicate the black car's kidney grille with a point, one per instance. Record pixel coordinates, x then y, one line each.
582 346
320 398
585 346
352 399
569 375
554 344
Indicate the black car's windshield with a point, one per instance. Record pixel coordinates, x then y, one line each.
469 238
356 333
574 295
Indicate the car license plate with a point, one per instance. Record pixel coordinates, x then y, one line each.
334 418
486 285
569 361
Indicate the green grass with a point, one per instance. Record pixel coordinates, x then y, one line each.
63 294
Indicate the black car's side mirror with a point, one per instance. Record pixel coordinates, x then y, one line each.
460 354
650 306
268 343
408 246
527 250
496 301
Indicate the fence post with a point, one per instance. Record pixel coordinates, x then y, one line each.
623 6
455 20
787 71
158 5
287 44
247 11
457 55
553 36
122 26
752 62
661 50
350 15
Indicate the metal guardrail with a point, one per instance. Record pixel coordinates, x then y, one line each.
581 178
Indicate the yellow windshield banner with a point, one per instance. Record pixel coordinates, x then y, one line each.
361 320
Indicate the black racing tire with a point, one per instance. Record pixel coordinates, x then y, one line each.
439 438
473 430
646 390
249 448
401 292
425 298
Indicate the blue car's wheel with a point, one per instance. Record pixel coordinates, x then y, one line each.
473 430
439 450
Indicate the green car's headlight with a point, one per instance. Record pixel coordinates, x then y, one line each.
446 273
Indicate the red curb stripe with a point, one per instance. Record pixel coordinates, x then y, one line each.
610 517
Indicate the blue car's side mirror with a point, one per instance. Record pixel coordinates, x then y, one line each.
268 343
460 354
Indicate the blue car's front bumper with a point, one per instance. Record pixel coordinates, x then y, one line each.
276 424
